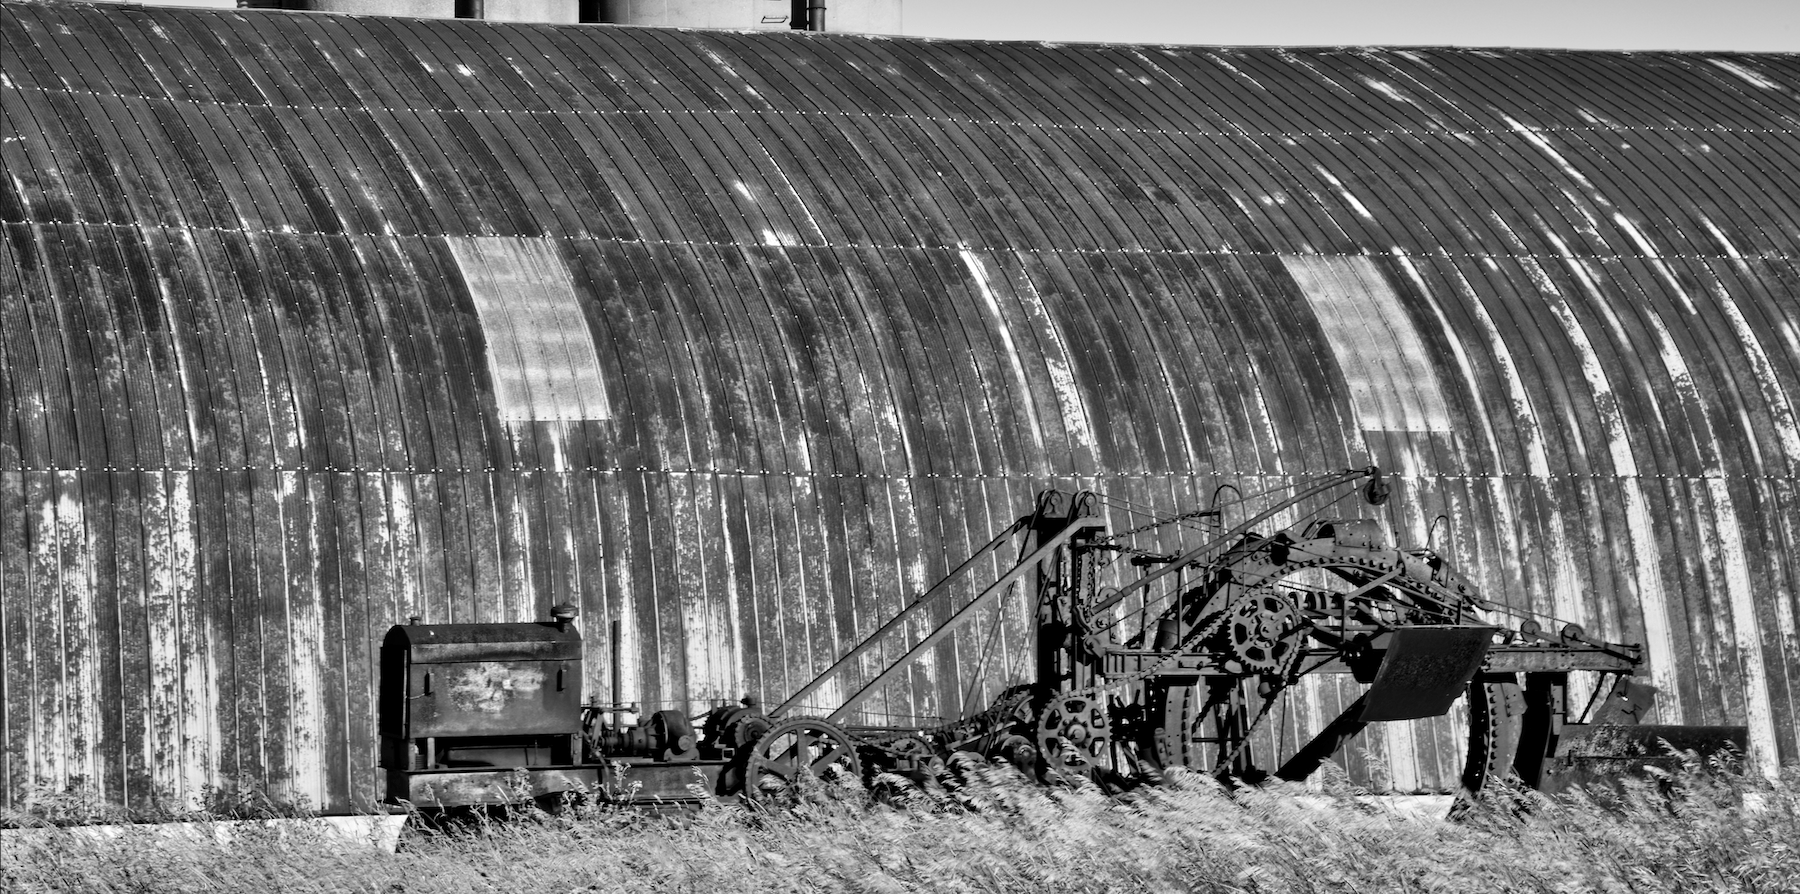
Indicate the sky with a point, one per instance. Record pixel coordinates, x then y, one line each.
1746 25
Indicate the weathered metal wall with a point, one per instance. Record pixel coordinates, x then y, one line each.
311 323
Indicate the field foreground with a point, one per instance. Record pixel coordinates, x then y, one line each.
998 834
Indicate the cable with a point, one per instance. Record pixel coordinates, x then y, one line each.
986 650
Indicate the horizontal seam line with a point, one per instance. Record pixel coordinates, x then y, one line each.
1225 251
1229 131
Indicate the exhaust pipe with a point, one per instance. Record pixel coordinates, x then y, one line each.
808 15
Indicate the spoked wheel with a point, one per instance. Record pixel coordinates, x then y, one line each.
1212 727
796 753
1205 726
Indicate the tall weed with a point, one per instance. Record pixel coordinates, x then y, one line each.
995 833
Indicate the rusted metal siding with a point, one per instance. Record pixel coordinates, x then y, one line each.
310 323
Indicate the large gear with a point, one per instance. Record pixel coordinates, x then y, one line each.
1265 632
1073 732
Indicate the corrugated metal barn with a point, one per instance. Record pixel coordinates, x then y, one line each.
310 323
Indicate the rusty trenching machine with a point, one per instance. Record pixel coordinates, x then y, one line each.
1143 661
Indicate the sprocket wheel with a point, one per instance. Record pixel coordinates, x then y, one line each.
1265 632
1072 732
797 752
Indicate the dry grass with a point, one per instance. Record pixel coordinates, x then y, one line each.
998 834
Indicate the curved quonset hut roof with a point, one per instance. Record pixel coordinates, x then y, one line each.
312 323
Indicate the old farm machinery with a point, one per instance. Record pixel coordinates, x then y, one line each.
1143 661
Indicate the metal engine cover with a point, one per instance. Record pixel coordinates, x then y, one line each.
481 680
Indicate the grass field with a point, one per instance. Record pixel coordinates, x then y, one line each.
1694 834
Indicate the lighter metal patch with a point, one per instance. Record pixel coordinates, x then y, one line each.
1393 384
540 352
489 686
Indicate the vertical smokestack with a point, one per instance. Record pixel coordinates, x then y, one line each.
618 664
809 15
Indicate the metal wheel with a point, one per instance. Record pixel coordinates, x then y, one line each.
1207 726
797 752
1496 707
1073 733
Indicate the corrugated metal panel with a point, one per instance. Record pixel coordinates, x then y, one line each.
282 294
